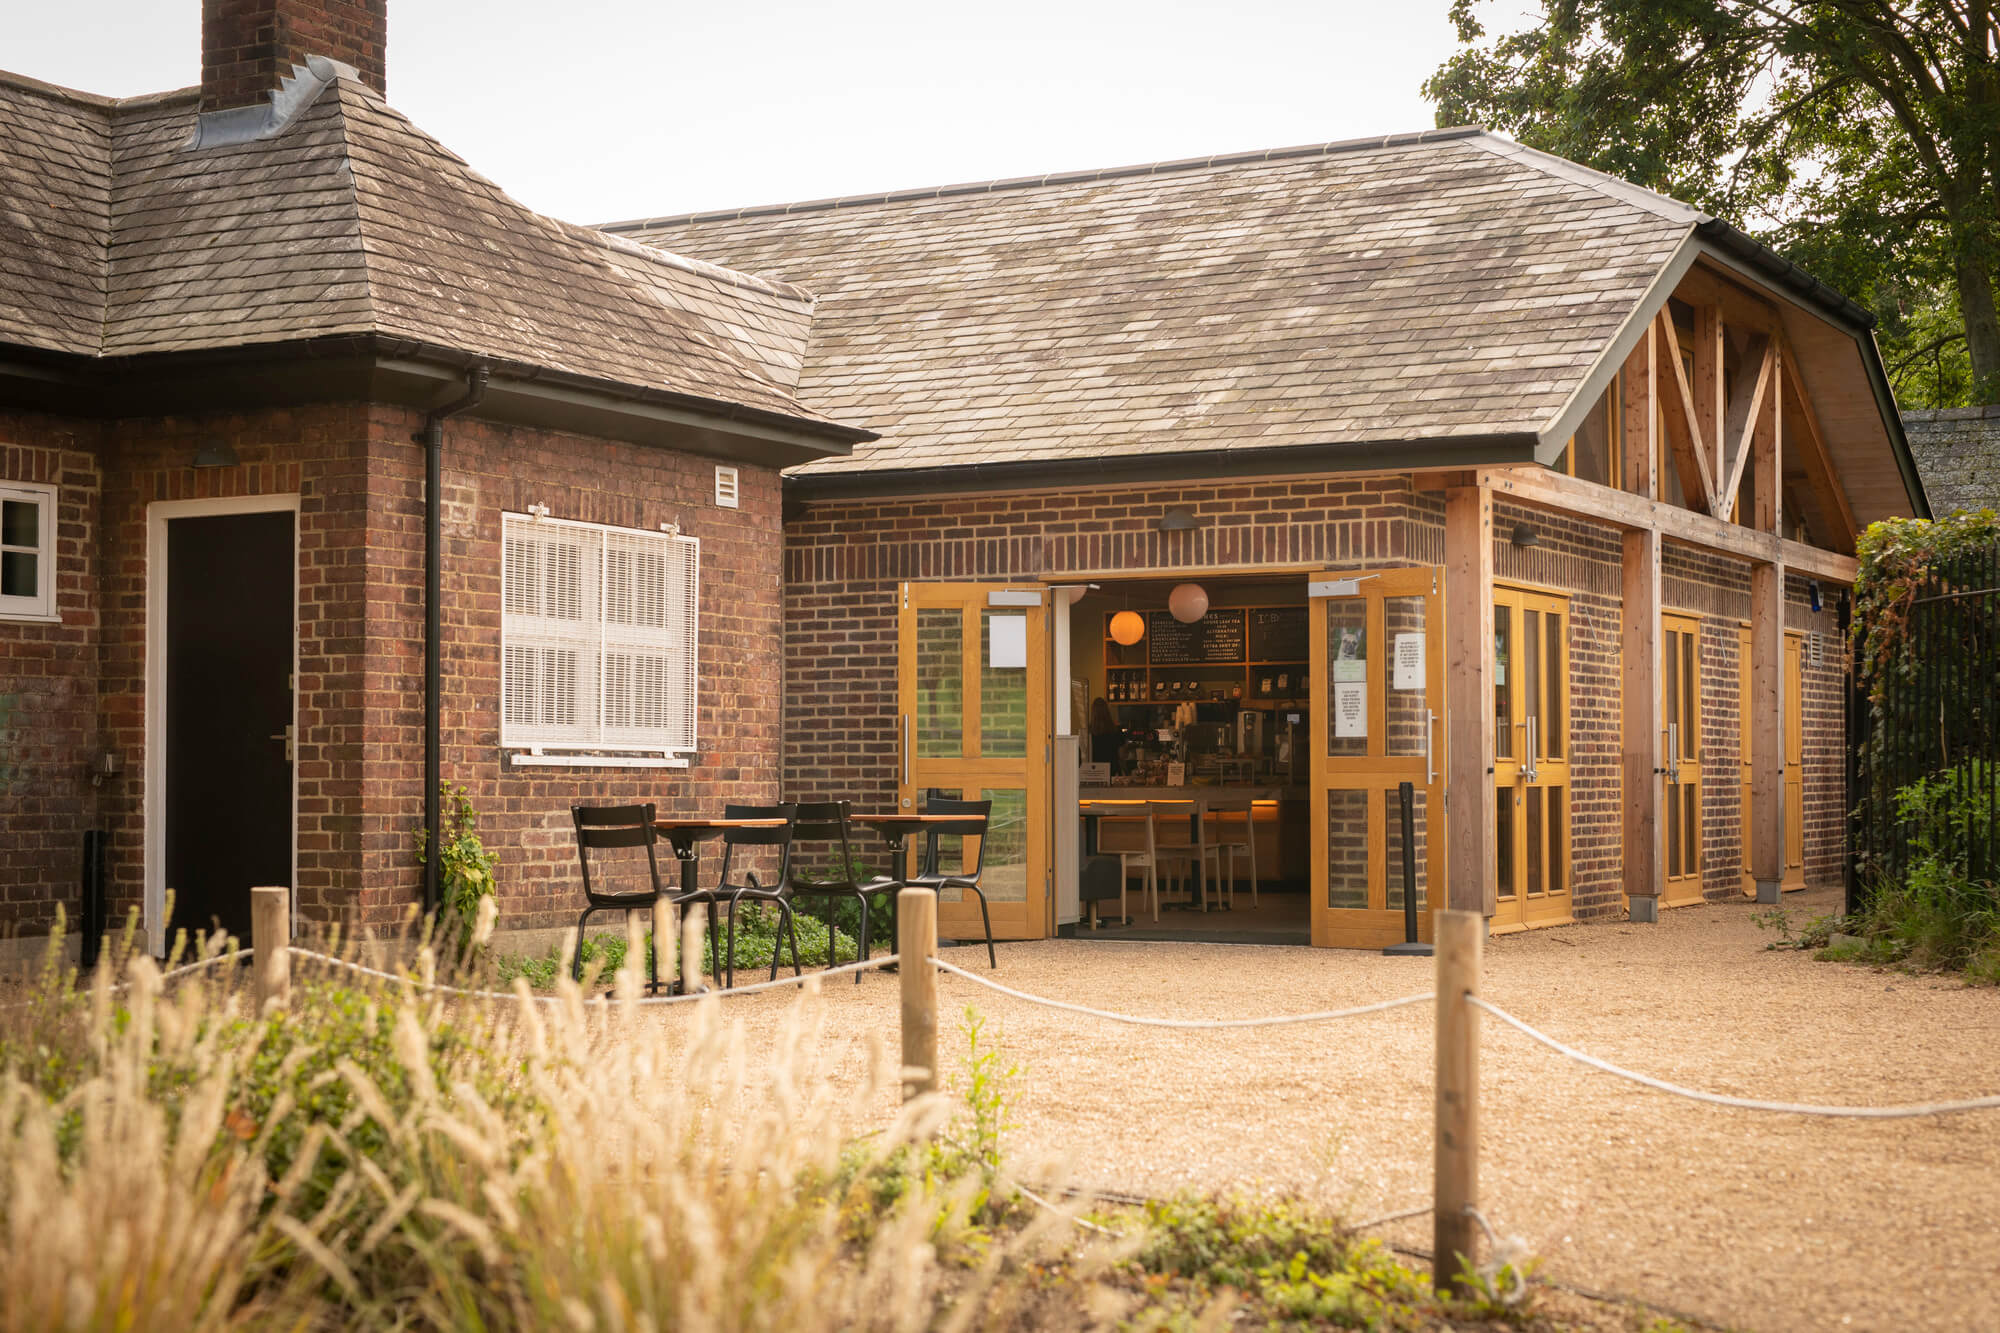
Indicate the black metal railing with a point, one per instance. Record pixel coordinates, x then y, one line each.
1924 731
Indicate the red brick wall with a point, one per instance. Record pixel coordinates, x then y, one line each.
524 812
843 561
248 45
48 687
359 479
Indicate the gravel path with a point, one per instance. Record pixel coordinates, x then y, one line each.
1757 1221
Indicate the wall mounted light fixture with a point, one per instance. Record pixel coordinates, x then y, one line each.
214 453
1525 535
1176 520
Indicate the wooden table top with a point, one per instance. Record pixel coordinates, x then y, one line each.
912 819
670 825
1192 794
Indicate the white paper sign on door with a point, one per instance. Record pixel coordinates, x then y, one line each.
1409 672
1008 645
1350 709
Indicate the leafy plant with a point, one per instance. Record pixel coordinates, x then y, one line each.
465 870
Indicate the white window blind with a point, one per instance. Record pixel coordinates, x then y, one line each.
598 637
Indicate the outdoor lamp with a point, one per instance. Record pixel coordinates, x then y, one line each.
1176 520
1188 602
1127 628
1525 535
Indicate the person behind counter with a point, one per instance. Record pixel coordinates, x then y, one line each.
1107 738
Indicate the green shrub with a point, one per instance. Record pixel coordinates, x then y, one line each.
1938 914
465 870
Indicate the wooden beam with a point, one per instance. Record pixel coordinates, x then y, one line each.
1767 458
1644 791
1470 797
1639 428
1709 389
1683 428
1533 484
1767 720
1439 481
1808 445
1756 381
1740 306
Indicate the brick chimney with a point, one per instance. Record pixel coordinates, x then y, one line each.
247 46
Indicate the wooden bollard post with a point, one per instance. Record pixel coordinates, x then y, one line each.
665 934
271 942
916 946
693 927
1460 937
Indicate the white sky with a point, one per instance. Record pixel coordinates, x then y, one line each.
595 110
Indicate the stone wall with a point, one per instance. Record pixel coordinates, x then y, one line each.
1958 455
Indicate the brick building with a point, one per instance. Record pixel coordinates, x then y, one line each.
228 316
1539 490
1426 460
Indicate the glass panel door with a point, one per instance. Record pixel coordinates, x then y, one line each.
1377 696
974 725
1794 736
1531 766
1680 689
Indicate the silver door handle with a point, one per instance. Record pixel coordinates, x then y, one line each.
906 755
1673 752
286 737
1430 748
1531 769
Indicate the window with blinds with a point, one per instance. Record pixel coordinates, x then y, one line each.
597 637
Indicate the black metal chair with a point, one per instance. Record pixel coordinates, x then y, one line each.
828 822
750 889
604 828
974 825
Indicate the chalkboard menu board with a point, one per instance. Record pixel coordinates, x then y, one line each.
1216 637
1280 634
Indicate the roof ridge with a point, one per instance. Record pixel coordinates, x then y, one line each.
1299 151
753 282
1624 191
340 87
28 83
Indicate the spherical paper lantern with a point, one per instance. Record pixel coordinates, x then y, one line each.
1128 627
1188 602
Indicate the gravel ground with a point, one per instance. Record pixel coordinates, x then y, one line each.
1752 1220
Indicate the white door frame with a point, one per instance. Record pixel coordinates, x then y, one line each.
153 816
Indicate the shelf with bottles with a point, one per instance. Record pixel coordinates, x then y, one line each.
1279 682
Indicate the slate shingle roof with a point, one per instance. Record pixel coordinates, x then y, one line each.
116 239
1448 285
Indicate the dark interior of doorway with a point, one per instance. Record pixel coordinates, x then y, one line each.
1273 685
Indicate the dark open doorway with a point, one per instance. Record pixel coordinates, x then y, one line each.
228 769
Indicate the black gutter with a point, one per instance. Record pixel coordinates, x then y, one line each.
1208 465
1783 272
433 441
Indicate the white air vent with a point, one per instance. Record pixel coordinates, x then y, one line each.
726 487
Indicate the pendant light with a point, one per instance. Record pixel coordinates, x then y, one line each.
1127 628
1188 602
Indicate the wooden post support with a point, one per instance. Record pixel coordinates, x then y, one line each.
693 927
1638 434
1644 789
665 935
271 939
1471 800
1460 939
916 946
1767 736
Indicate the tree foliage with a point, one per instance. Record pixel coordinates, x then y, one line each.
1859 138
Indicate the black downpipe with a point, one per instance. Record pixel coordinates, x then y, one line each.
433 441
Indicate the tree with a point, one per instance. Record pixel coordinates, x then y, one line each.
1859 138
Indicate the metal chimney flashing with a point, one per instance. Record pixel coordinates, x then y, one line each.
289 100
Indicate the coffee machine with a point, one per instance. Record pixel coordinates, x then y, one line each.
1250 733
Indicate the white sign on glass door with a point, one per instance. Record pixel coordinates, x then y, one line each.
1350 708
1409 671
1007 645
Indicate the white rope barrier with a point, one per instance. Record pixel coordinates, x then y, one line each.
195 966
1739 1103
1184 1023
782 982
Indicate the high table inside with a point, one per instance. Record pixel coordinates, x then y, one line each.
1195 798
683 834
